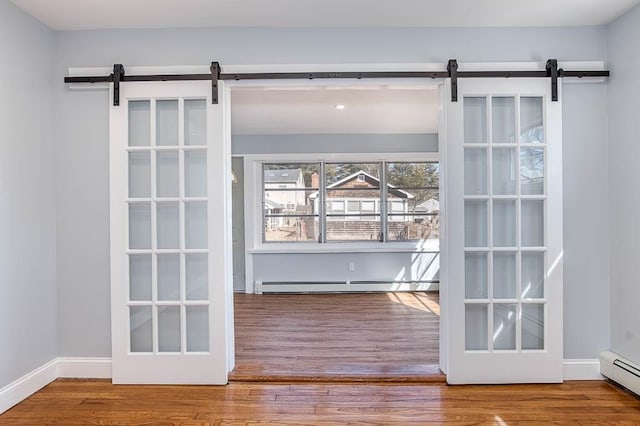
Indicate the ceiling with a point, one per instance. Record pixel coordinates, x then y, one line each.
313 111
111 14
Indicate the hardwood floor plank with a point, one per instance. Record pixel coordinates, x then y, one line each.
384 337
101 403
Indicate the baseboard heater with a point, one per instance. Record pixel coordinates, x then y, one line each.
620 370
344 286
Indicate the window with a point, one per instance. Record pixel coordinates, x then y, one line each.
337 201
414 212
288 214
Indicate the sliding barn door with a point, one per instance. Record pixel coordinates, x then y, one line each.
170 234
503 251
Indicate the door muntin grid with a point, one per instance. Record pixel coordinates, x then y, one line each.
505 217
168 297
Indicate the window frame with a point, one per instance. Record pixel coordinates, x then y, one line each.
254 212
261 244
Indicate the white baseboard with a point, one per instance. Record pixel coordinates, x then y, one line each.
84 368
30 383
100 368
27 385
582 369
262 287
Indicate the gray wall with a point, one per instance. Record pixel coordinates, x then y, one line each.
81 150
624 152
305 144
586 220
28 311
388 267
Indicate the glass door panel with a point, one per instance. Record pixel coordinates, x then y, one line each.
167 122
139 123
168 286
476 275
476 172
503 111
504 275
167 174
499 220
504 223
475 123
139 175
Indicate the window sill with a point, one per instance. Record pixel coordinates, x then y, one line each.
310 248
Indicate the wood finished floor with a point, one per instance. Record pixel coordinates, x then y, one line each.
70 403
337 337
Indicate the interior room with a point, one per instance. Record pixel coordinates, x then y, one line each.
149 232
313 238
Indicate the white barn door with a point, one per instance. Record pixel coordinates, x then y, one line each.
502 152
170 203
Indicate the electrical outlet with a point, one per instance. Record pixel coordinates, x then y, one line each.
352 266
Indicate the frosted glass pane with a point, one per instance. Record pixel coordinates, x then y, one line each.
195 122
196 277
167 175
139 174
475 120
531 123
168 328
504 275
196 225
141 330
197 328
475 172
475 223
504 223
533 326
475 275
168 277
503 117
167 122
504 326
195 178
531 171
140 226
504 171
532 275
140 277
532 223
168 218
476 327
139 123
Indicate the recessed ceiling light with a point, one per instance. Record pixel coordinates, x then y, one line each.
339 107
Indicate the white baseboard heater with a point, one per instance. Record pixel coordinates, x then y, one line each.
620 370
343 286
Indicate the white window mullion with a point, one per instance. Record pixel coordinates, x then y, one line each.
322 205
383 202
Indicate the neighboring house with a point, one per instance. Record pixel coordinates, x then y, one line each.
351 199
284 194
349 196
280 182
271 207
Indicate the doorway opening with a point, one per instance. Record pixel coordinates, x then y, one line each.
336 232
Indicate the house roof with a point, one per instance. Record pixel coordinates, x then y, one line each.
282 176
392 189
269 204
430 205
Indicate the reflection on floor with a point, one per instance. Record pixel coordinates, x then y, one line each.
337 337
77 402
